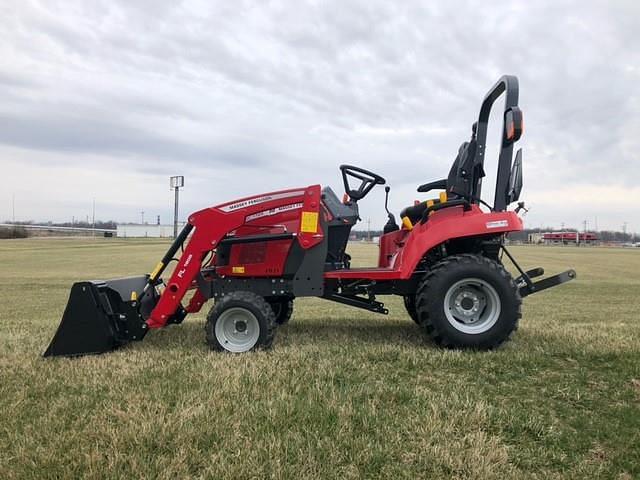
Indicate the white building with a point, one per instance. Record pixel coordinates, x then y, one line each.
146 230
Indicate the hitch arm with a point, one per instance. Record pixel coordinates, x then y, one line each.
555 280
527 286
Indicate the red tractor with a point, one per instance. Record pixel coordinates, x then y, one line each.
255 255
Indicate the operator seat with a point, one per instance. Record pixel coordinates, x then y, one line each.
463 175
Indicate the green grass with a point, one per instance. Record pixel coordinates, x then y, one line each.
343 394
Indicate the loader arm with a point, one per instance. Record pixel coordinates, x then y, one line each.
202 234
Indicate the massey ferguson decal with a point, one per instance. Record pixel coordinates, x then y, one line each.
256 200
273 211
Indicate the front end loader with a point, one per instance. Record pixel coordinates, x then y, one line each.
254 256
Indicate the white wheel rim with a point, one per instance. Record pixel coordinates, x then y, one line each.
237 330
472 306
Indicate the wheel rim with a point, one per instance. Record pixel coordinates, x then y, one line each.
237 329
472 306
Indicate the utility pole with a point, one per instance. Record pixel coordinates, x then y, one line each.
368 229
624 232
142 217
13 208
93 217
175 183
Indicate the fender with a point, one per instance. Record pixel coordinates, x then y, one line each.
448 224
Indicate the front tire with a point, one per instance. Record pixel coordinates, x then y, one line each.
468 301
282 309
240 322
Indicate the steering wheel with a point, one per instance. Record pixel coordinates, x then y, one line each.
368 180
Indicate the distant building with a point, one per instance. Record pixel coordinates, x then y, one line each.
145 230
535 238
566 238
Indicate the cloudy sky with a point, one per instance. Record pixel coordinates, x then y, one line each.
106 100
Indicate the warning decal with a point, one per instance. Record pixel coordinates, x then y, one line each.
309 222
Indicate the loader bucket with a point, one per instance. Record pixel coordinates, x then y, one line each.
97 319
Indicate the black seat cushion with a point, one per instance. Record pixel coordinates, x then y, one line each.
414 212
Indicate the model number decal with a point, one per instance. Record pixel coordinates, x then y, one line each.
273 211
257 200
498 224
182 271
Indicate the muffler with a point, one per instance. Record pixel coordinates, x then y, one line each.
101 316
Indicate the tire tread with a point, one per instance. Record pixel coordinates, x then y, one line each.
440 336
258 302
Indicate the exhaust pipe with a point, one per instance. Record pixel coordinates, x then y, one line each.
98 319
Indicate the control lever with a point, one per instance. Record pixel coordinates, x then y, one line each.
387 189
391 225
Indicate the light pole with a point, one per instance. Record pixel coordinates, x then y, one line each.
176 183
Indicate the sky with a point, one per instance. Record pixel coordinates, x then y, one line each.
105 100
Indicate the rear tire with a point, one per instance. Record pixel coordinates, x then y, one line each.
240 322
282 309
410 305
468 301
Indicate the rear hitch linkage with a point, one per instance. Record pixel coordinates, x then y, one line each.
527 286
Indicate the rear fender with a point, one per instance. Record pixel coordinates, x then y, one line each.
448 224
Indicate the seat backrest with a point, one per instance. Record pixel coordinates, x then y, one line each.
464 173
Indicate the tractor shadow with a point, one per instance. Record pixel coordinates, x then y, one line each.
348 331
191 335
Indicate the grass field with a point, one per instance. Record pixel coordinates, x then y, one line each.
343 394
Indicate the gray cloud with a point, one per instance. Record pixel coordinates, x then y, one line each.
262 96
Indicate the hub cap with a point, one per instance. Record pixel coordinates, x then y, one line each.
237 329
472 306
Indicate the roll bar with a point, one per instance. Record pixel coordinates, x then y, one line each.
507 84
